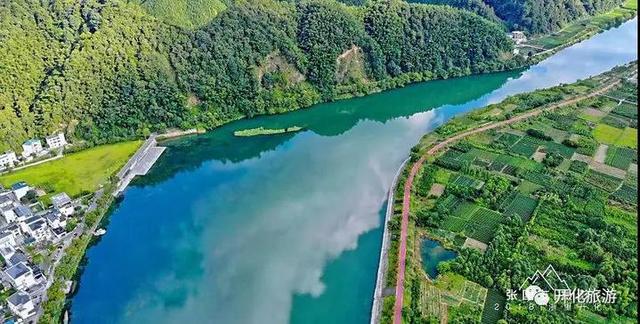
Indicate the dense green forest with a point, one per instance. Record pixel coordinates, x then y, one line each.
534 16
102 71
185 13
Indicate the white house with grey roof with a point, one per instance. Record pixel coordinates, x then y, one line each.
7 198
21 304
8 239
55 218
20 189
8 214
32 147
56 140
37 228
22 212
8 159
63 203
21 276
12 256
14 229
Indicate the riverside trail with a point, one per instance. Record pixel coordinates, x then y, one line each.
406 200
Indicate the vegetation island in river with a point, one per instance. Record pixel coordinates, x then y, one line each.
543 179
266 131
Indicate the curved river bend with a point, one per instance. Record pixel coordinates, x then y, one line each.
287 228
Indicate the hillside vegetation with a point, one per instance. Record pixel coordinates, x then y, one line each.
533 16
105 71
185 13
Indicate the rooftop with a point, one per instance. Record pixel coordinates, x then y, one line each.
53 136
60 199
19 298
37 224
17 270
17 258
7 196
32 219
52 215
5 234
22 211
32 141
19 185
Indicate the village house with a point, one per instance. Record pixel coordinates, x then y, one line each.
56 140
21 304
21 276
8 240
20 189
15 230
7 198
63 203
8 202
13 257
37 228
8 159
31 147
22 213
55 218
8 214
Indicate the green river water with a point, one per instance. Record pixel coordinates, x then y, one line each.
286 228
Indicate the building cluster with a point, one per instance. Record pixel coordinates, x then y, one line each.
25 228
32 148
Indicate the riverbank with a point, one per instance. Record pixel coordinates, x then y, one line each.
482 121
544 46
210 191
138 164
378 296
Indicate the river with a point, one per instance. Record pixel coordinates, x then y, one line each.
287 228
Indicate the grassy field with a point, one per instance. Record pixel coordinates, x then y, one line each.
628 138
77 172
607 134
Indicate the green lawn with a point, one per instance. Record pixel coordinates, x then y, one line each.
628 138
606 134
77 172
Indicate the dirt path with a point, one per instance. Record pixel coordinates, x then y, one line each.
406 200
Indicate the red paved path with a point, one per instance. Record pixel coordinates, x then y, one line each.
402 250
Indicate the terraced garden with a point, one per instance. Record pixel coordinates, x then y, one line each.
500 207
522 206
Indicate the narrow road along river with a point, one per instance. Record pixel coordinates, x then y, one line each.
287 228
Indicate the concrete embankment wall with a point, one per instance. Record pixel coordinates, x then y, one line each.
376 308
139 163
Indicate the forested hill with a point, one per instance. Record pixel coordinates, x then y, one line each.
533 16
108 70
